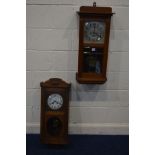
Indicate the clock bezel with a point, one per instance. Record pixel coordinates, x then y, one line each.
50 91
58 94
94 20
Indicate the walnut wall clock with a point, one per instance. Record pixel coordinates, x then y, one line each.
54 111
94 30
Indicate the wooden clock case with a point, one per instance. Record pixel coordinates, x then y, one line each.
93 13
48 134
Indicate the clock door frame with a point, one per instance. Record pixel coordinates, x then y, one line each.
93 14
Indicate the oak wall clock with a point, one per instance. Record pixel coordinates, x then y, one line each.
94 30
54 111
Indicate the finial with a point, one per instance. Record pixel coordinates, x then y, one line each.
94 4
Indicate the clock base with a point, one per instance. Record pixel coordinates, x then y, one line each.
90 78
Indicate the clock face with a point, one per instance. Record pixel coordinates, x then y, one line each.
55 101
94 32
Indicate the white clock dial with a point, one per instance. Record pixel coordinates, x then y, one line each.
55 101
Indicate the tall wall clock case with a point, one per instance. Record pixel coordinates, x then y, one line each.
54 111
94 30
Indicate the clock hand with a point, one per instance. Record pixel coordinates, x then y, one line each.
54 102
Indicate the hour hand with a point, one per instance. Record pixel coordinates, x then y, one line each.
54 102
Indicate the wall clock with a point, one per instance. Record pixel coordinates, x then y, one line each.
54 111
94 30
